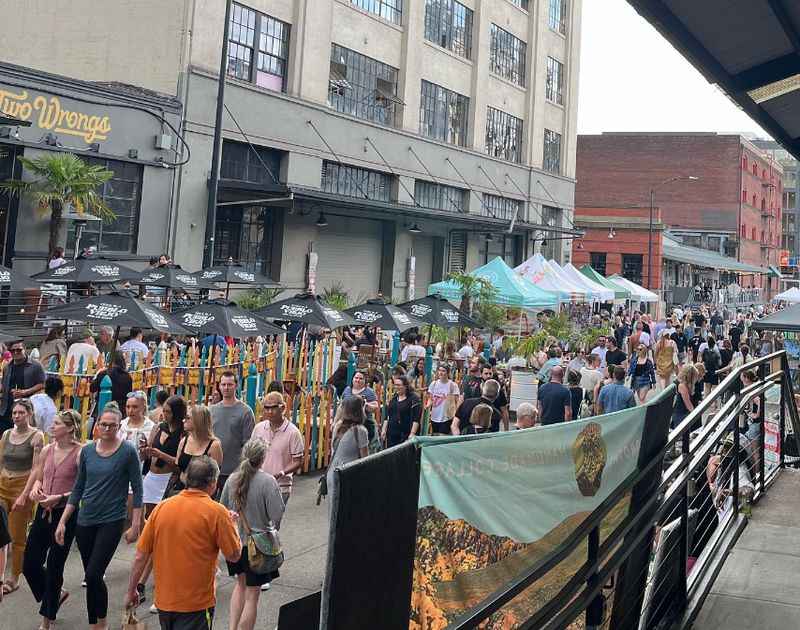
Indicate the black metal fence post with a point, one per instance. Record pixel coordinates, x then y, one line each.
594 612
762 373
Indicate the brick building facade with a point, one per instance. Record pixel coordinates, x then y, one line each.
734 207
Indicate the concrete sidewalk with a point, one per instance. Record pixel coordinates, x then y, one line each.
304 535
759 586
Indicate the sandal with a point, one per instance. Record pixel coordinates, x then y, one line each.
9 587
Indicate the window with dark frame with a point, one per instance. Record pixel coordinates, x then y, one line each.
597 260
258 165
552 151
554 89
499 207
457 252
389 10
557 18
507 55
363 87
632 267
122 193
439 196
270 50
443 114
352 181
522 4
245 234
551 217
449 24
503 135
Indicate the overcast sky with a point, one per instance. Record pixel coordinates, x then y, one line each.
632 79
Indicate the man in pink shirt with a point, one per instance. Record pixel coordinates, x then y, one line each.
285 444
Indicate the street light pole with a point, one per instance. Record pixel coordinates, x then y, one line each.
650 240
216 154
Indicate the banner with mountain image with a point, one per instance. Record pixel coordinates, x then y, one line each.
492 505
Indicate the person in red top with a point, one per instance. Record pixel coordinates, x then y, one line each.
184 536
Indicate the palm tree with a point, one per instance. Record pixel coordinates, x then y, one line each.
62 180
475 289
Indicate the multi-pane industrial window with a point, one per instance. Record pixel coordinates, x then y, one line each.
597 261
363 87
443 114
449 24
552 151
122 193
457 252
558 16
351 181
501 207
272 52
258 165
503 135
522 4
554 89
389 10
507 55
439 197
632 267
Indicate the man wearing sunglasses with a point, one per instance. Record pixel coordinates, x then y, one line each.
21 379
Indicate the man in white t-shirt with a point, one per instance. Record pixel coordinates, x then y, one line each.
85 349
135 346
466 351
592 374
44 406
442 391
600 350
412 349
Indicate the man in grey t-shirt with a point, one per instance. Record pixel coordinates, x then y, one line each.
233 423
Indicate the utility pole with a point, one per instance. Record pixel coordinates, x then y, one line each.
216 155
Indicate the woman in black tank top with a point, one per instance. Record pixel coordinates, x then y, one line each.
199 439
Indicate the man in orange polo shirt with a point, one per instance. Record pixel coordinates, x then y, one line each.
184 536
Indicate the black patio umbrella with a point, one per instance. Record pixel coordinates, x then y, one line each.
173 277
15 279
308 309
95 270
436 310
379 312
235 273
119 309
224 318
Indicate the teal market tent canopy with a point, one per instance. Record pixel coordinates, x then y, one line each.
512 289
619 292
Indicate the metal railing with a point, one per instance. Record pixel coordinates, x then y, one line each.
689 519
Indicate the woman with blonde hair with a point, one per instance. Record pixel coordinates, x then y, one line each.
642 373
53 478
665 355
687 377
198 440
254 495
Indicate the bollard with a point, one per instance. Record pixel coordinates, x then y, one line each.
252 386
395 349
105 394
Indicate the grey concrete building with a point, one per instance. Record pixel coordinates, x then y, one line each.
395 140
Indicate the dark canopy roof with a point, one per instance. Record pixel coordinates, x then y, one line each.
748 48
786 320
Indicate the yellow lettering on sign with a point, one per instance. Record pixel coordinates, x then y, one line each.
53 117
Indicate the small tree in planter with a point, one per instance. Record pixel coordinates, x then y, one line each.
474 290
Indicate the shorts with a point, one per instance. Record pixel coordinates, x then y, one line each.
441 428
199 620
641 382
153 487
250 578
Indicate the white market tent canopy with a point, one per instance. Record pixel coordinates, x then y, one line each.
538 270
792 295
591 295
604 294
638 293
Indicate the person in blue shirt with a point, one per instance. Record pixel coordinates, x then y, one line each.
615 396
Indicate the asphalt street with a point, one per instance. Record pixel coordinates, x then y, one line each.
304 535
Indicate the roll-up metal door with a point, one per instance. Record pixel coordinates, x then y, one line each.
457 255
349 252
423 252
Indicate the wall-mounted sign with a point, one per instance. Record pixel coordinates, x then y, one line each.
784 258
48 113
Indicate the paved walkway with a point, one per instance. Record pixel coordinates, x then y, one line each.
305 539
759 585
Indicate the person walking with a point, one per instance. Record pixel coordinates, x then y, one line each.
615 396
53 346
442 400
22 378
665 355
687 377
106 468
255 497
642 373
54 477
712 361
135 347
19 454
198 440
121 381
554 400
181 540
359 387
403 413
161 453
349 440
285 444
233 423
44 403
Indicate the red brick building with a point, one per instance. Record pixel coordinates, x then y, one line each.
615 241
734 208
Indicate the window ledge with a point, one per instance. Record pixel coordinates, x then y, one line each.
508 82
554 104
558 33
519 8
447 52
373 16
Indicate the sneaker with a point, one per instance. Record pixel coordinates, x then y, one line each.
153 609
265 586
140 590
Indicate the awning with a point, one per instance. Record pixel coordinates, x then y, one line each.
748 49
638 292
774 272
787 320
673 250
